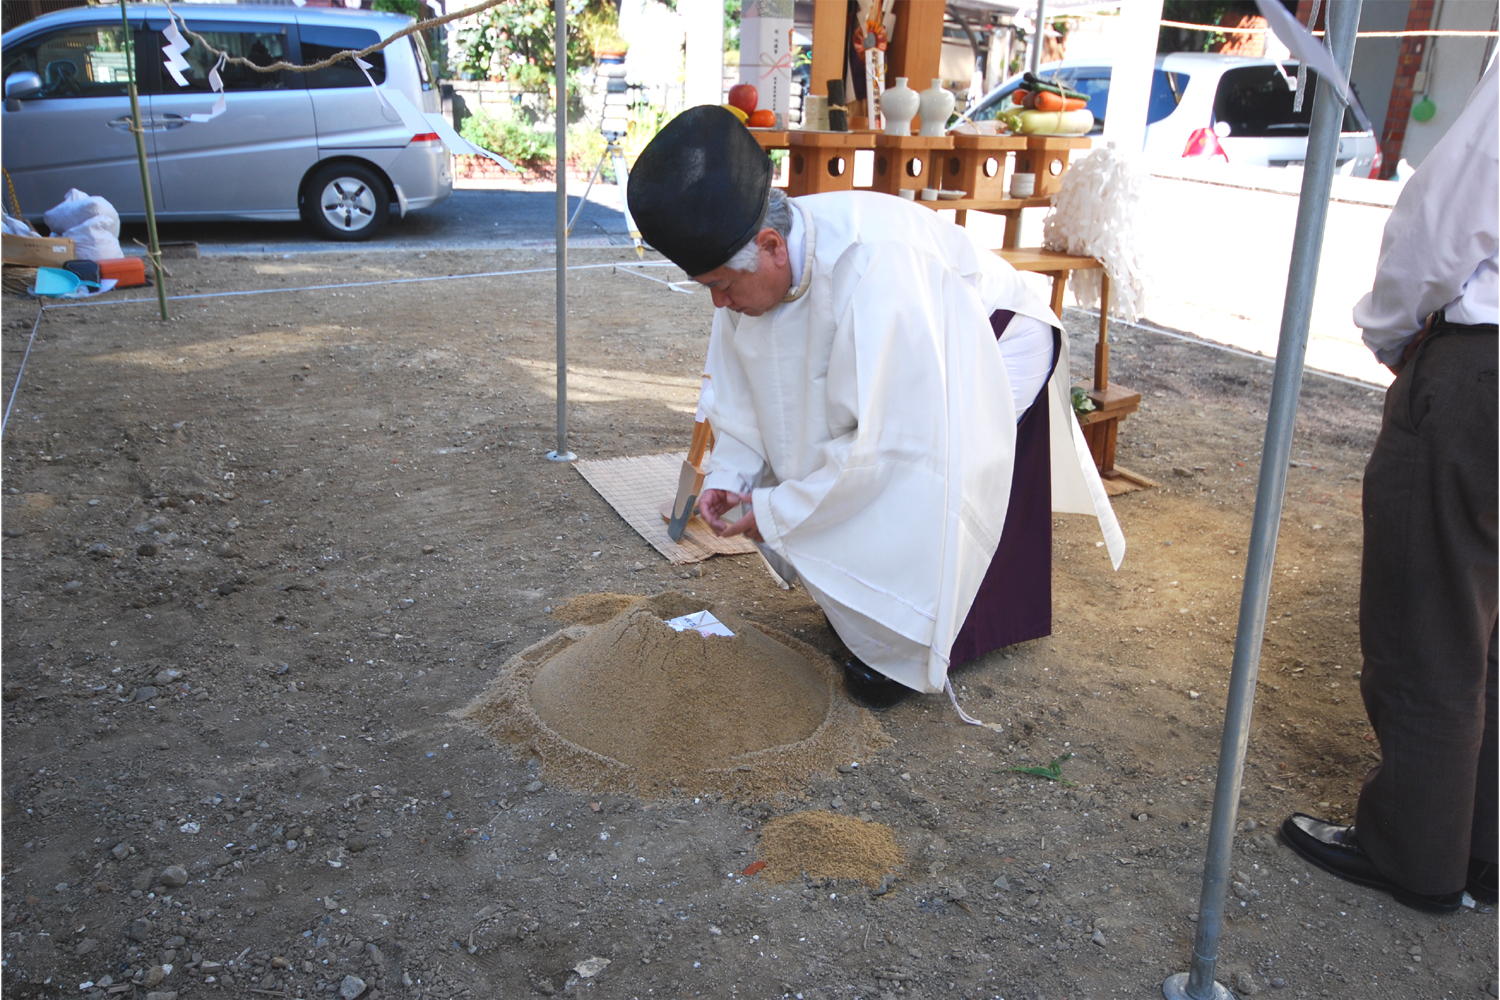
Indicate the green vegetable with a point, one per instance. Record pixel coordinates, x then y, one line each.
1034 82
1081 402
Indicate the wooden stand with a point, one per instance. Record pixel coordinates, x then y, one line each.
1113 403
823 161
909 162
1046 156
977 165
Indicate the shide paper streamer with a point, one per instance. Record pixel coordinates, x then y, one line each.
175 64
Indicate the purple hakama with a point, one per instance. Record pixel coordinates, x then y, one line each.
1014 602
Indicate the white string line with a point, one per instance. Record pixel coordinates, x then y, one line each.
965 716
1152 328
356 284
15 389
670 284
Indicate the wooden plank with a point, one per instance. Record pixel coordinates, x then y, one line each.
1046 261
828 44
770 138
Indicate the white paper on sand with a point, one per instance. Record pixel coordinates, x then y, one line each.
702 622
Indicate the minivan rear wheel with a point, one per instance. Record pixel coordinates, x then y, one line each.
346 201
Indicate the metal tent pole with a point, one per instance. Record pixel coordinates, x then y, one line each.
560 18
1291 351
1038 35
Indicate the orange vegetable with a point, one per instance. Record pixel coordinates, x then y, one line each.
1048 101
764 118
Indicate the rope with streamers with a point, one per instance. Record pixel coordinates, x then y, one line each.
282 64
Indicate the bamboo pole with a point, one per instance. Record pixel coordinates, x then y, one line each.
154 247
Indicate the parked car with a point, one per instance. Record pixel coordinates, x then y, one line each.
1234 108
317 146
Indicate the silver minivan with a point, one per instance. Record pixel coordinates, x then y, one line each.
318 146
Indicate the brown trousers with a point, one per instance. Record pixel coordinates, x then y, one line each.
1427 615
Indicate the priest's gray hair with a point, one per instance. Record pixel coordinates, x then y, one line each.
779 218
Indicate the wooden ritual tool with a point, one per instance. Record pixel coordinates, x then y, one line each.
689 481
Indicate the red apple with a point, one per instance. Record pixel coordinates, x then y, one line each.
744 96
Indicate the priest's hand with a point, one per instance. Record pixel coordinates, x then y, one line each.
714 504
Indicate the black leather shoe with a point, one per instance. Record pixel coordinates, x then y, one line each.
869 688
1481 883
1336 850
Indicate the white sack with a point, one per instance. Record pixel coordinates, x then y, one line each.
77 207
96 238
17 227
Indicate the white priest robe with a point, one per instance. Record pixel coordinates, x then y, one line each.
871 416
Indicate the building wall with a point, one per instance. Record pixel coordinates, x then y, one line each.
1454 67
1375 58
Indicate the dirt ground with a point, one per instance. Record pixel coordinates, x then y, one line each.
255 559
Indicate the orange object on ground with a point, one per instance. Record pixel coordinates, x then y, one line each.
128 272
755 866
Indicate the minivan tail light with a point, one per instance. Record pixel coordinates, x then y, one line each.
426 137
1203 142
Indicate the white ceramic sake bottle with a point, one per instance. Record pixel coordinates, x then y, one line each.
899 104
935 107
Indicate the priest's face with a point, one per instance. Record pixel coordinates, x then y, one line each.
753 293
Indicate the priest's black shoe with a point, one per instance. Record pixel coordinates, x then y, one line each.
1336 850
869 688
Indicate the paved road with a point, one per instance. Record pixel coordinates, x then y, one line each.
507 215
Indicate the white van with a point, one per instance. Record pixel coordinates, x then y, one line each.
317 146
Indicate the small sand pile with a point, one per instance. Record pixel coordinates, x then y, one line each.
633 705
828 845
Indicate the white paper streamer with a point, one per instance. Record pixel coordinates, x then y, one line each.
364 68
1095 213
173 50
1312 53
433 121
216 84
175 64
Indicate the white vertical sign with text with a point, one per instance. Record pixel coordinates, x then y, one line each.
766 53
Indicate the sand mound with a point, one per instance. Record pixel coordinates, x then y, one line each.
632 705
828 845
670 703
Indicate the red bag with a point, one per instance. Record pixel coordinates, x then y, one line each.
128 272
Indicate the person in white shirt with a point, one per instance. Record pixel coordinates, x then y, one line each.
864 418
1426 826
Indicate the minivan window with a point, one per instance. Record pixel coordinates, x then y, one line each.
1167 89
80 61
263 46
319 41
424 65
